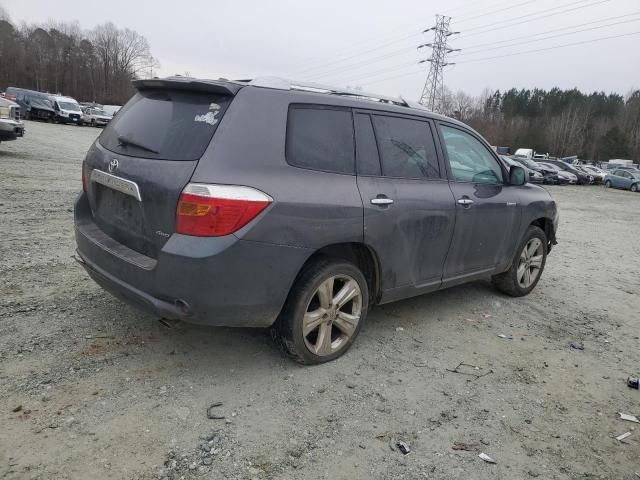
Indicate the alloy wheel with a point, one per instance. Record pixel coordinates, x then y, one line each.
332 316
530 264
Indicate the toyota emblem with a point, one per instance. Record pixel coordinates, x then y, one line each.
113 165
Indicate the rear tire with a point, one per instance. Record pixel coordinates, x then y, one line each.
316 324
527 266
607 184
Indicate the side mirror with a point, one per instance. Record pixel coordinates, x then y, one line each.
518 176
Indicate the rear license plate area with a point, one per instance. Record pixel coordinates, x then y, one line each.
119 210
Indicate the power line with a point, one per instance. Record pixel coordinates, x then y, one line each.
382 70
550 48
358 54
314 65
494 11
395 53
466 49
549 37
532 19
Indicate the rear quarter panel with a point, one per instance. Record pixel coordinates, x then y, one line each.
311 209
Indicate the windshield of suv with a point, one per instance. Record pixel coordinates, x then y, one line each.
69 106
170 124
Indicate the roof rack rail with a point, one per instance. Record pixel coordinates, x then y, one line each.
284 84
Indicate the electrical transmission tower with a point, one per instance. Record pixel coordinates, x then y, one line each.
433 91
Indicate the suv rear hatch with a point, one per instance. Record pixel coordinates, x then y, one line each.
136 170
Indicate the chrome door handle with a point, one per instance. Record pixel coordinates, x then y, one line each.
381 201
465 202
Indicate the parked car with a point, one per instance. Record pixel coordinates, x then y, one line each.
262 203
111 110
548 177
563 175
33 105
534 176
621 178
95 117
67 110
11 126
582 178
598 177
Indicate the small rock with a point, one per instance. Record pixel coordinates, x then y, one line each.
351 385
207 461
322 389
533 473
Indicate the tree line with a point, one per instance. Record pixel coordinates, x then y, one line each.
595 126
95 65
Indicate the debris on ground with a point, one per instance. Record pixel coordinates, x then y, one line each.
487 458
404 448
399 329
468 369
468 447
213 416
629 418
577 345
17 409
633 382
623 436
508 337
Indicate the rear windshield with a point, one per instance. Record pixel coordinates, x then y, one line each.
165 124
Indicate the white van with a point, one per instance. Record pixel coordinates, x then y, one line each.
67 109
525 152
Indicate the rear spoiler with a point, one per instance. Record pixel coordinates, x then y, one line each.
186 83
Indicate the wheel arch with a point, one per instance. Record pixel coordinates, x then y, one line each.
546 225
360 254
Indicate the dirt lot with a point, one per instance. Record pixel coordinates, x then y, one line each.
107 392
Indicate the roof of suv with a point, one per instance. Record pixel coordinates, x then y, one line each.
348 97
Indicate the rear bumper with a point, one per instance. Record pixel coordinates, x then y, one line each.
222 281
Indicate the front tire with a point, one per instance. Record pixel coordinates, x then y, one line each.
324 312
527 266
607 184
634 187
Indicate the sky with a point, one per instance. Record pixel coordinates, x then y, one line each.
373 44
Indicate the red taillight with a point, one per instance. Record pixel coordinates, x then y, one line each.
84 178
215 210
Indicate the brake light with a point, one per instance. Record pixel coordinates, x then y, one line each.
215 210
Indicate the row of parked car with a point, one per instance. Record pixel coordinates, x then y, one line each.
36 105
558 172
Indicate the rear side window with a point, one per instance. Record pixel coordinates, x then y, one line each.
320 139
165 124
406 147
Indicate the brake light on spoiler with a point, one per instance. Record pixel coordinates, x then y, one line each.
206 210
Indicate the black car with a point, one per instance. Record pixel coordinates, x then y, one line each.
550 177
583 178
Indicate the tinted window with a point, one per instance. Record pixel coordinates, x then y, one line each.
406 147
165 124
366 148
469 159
320 139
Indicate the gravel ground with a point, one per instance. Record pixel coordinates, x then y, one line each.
91 388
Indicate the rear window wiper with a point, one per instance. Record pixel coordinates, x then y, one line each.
124 141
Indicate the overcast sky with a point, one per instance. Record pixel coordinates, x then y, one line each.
372 44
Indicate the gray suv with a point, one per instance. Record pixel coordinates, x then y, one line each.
267 203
